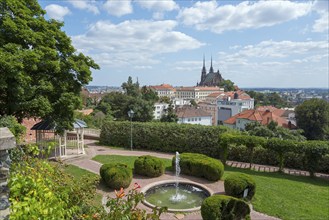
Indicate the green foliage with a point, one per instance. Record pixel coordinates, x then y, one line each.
148 166
141 101
221 207
200 165
16 128
236 183
272 98
227 84
39 189
273 130
125 206
94 120
313 117
170 115
116 175
42 72
165 137
314 151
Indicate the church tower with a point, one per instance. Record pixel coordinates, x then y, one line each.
211 70
204 71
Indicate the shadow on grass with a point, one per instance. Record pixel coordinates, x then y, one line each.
305 179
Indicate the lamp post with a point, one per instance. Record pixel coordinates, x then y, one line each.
131 115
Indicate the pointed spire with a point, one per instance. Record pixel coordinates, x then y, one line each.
204 62
211 68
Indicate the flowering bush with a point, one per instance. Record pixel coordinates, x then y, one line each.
124 206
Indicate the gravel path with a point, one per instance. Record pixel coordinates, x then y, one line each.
86 162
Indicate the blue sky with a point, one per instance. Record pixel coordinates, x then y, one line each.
253 43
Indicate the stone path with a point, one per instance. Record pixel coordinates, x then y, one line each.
87 163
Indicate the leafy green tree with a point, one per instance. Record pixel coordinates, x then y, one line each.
313 117
193 103
164 99
273 99
227 84
149 94
11 123
41 72
131 88
170 115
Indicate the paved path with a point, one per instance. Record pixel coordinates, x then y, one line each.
87 163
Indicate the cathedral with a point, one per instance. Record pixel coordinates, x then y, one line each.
210 79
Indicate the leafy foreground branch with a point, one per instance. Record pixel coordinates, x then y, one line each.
41 190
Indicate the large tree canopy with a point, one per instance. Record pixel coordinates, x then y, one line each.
41 72
313 117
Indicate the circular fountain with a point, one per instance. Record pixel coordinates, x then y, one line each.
177 195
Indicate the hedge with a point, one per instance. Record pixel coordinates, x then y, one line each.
165 137
213 141
236 183
221 207
116 175
148 166
200 165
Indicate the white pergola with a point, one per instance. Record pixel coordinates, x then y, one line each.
45 131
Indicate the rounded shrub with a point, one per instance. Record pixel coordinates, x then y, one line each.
200 165
221 207
148 166
116 175
235 185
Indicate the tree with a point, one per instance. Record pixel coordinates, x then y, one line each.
131 88
170 115
227 84
313 117
149 94
193 103
41 72
16 128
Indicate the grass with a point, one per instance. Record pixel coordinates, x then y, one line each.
129 160
289 197
79 174
281 195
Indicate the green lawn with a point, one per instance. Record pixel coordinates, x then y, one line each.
129 160
78 174
281 195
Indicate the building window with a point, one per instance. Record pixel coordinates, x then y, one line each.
188 119
199 119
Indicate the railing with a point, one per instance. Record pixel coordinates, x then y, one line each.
89 132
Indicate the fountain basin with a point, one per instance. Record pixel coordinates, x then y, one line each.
188 198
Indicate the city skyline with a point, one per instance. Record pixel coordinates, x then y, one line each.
255 44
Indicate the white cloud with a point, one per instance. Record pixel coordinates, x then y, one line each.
211 16
88 5
57 12
159 5
277 63
118 8
134 42
322 8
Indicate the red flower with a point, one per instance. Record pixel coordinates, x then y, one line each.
120 194
136 186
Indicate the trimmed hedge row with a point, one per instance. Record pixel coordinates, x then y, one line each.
309 153
148 166
200 165
221 207
165 137
236 183
116 175
171 137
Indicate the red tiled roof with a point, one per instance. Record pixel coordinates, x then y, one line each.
163 87
263 117
188 112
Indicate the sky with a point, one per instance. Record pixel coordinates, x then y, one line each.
272 43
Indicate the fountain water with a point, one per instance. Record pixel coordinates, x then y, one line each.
175 194
177 197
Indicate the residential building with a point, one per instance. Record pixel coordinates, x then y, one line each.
210 108
164 90
232 103
159 110
197 93
263 116
193 115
